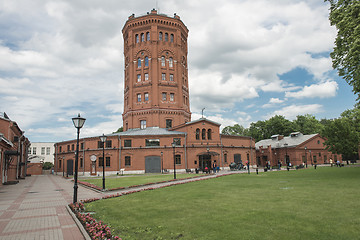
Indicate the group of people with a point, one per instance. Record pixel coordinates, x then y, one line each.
215 168
337 163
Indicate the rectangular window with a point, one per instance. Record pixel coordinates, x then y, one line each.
139 97
59 163
172 96
127 143
108 144
171 77
100 144
34 150
82 146
152 142
47 150
107 161
60 148
164 96
68 148
142 124
81 162
163 76
177 159
101 161
127 161
146 76
168 123
177 141
29 150
146 97
225 157
72 147
42 150
139 77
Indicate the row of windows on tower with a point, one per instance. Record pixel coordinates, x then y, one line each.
168 123
203 134
163 62
143 37
164 97
163 77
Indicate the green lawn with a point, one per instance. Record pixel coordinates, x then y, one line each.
302 204
126 181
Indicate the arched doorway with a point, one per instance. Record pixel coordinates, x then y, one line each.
205 160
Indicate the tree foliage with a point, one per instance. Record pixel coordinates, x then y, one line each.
236 130
119 130
345 15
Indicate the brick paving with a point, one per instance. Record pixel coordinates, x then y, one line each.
35 208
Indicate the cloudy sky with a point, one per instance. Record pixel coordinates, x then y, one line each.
248 60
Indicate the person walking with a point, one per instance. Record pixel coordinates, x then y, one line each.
331 162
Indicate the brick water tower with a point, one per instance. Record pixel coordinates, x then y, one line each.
156 89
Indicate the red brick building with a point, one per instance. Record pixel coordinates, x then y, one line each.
156 112
13 151
296 149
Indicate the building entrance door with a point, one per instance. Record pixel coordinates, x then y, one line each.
152 164
204 161
70 167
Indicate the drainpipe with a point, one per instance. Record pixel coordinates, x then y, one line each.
119 153
186 164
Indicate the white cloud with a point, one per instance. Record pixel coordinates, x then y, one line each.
322 90
273 102
290 112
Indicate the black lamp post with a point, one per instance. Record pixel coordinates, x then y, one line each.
286 156
305 157
103 140
162 166
173 145
78 123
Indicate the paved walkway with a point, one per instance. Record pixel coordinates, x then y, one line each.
35 208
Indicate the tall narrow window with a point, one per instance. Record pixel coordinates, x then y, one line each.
163 61
139 63
163 77
177 159
142 37
137 38
172 96
127 161
209 134
107 161
147 36
197 133
146 61
139 77
139 97
146 76
171 62
164 96
171 77
166 37
142 124
160 36
172 38
146 97
203 133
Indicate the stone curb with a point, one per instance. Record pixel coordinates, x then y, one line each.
78 223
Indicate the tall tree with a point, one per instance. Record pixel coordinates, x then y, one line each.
307 124
345 15
237 130
279 125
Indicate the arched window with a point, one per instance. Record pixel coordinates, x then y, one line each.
172 38
163 61
209 134
146 61
139 63
203 133
147 36
142 37
171 62
137 38
166 37
160 36
197 134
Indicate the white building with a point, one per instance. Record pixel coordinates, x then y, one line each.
41 152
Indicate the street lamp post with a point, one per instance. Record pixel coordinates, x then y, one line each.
162 166
103 140
286 155
78 123
173 145
305 157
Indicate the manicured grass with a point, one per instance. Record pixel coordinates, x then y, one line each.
303 204
126 181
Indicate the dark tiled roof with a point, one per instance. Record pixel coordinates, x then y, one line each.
291 141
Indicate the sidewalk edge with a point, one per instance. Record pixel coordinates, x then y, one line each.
78 223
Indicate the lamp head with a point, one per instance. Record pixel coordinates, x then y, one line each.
78 121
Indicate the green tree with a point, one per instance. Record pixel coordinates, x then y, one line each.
237 130
278 125
345 15
47 165
258 130
307 124
119 130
